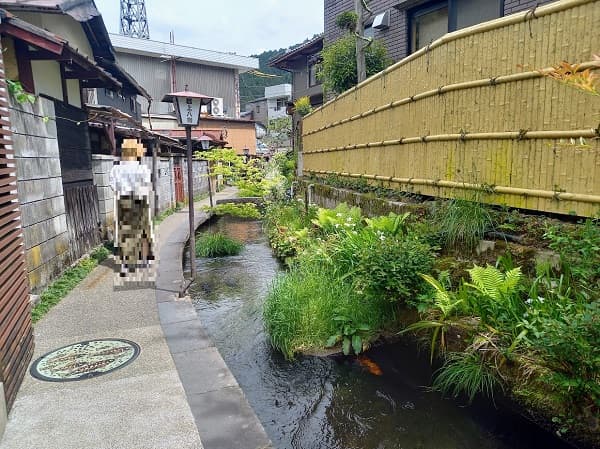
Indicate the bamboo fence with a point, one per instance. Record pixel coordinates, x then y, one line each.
475 111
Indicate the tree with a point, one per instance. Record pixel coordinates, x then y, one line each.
279 132
338 67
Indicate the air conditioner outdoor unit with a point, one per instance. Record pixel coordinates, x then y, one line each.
216 107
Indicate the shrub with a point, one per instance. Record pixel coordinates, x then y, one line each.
579 250
217 245
347 21
390 268
338 71
302 106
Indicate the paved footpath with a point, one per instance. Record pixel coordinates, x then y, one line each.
177 394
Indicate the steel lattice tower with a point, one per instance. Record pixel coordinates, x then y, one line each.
134 22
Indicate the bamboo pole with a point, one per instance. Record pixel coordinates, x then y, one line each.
486 82
506 135
560 196
511 19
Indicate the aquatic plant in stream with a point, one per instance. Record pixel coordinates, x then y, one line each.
217 245
241 210
466 373
301 308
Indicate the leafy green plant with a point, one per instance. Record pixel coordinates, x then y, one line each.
341 219
302 106
347 21
390 267
338 71
579 250
16 89
442 315
466 373
463 223
391 224
241 210
496 296
349 334
217 245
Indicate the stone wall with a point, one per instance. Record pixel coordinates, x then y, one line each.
329 197
101 166
40 190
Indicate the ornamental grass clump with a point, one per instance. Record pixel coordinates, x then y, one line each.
217 245
303 308
463 223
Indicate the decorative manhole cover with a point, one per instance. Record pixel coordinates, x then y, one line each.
84 360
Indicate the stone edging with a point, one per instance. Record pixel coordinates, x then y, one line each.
222 414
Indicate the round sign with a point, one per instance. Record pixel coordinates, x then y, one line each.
84 360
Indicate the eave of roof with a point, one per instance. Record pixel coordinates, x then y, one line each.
305 49
54 46
156 49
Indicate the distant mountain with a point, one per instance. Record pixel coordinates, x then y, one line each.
253 86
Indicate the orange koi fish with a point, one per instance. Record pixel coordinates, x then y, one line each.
370 365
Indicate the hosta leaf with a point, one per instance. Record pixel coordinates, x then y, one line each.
346 346
331 341
357 344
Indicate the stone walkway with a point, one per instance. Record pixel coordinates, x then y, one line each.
177 394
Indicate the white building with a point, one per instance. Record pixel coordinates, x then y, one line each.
272 105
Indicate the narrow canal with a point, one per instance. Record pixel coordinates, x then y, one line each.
333 403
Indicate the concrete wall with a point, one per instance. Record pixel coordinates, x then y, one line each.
200 179
165 187
101 166
40 190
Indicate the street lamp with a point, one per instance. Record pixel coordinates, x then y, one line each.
187 106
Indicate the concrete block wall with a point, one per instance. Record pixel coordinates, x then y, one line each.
101 166
199 170
165 187
40 190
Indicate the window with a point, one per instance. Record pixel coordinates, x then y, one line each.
471 12
427 24
369 31
280 104
109 93
258 109
433 20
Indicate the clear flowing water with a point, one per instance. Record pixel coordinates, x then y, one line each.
334 403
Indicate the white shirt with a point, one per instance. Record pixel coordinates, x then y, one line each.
129 178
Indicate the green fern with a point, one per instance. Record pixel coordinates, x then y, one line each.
490 281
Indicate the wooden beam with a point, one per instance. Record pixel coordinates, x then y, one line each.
31 38
24 66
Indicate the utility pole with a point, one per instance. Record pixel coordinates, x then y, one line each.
363 13
134 22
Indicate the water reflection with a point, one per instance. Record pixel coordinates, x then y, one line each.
329 403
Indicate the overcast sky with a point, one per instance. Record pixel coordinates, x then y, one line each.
240 26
